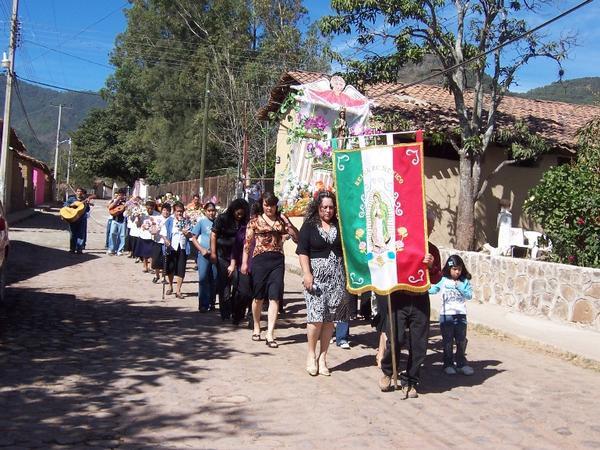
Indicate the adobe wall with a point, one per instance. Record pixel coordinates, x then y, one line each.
442 186
557 291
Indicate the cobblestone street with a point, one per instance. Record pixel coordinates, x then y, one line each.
91 357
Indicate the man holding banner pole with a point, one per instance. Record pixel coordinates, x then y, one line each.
384 237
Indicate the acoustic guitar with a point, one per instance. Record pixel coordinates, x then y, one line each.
117 208
74 211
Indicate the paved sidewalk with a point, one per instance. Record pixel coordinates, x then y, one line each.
566 341
91 357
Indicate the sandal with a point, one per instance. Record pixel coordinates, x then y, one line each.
178 295
169 292
256 337
155 280
272 344
145 271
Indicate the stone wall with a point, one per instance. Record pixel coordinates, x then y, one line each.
557 291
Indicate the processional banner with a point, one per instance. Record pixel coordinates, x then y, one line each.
381 208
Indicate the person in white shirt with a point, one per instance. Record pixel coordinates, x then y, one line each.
143 248
158 245
133 235
175 232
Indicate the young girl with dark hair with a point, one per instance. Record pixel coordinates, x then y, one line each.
267 232
455 289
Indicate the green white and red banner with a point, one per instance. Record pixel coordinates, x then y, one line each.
381 209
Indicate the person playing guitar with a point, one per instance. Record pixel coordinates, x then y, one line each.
78 227
116 237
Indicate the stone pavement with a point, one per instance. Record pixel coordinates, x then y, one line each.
91 357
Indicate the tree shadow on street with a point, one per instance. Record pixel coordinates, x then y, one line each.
35 259
77 368
42 220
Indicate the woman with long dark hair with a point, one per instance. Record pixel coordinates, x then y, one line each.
222 240
323 276
267 232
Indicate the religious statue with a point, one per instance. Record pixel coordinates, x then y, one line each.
340 128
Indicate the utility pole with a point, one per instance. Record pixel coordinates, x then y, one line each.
68 170
204 135
266 130
56 151
58 142
5 160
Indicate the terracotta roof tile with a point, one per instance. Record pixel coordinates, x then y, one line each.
431 107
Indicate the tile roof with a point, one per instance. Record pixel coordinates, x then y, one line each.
431 107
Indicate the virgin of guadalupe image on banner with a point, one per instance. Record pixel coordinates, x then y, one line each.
381 209
327 111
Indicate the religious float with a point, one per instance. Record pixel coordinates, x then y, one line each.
378 179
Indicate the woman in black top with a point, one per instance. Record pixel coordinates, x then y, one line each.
222 238
320 253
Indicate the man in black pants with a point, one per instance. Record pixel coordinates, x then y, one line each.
408 311
411 311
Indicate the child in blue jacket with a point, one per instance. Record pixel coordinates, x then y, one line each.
455 289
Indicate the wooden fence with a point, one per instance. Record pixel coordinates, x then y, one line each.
223 187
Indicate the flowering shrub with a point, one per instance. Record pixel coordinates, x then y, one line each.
308 127
320 151
566 203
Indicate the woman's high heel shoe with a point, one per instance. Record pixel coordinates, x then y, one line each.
323 369
312 369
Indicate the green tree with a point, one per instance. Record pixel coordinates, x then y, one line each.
155 96
453 31
100 148
566 203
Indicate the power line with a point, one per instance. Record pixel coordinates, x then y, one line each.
20 98
54 86
68 54
498 47
83 30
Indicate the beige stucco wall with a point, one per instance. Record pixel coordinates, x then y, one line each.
442 185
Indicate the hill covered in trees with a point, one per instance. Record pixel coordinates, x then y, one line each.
583 91
43 116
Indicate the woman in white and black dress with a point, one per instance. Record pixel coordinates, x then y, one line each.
320 253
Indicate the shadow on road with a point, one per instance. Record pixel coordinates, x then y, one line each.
43 221
434 380
68 360
28 260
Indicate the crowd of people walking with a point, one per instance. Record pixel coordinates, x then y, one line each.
239 257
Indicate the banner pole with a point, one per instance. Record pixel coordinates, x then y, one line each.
392 339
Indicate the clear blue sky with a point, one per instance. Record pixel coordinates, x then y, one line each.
86 29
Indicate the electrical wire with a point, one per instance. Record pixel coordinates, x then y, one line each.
86 28
498 47
20 98
54 86
67 54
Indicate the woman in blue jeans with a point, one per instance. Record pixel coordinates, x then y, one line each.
207 271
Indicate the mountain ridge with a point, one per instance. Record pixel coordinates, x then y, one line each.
41 106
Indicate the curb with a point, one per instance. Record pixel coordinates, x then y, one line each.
524 342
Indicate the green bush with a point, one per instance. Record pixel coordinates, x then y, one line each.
566 203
